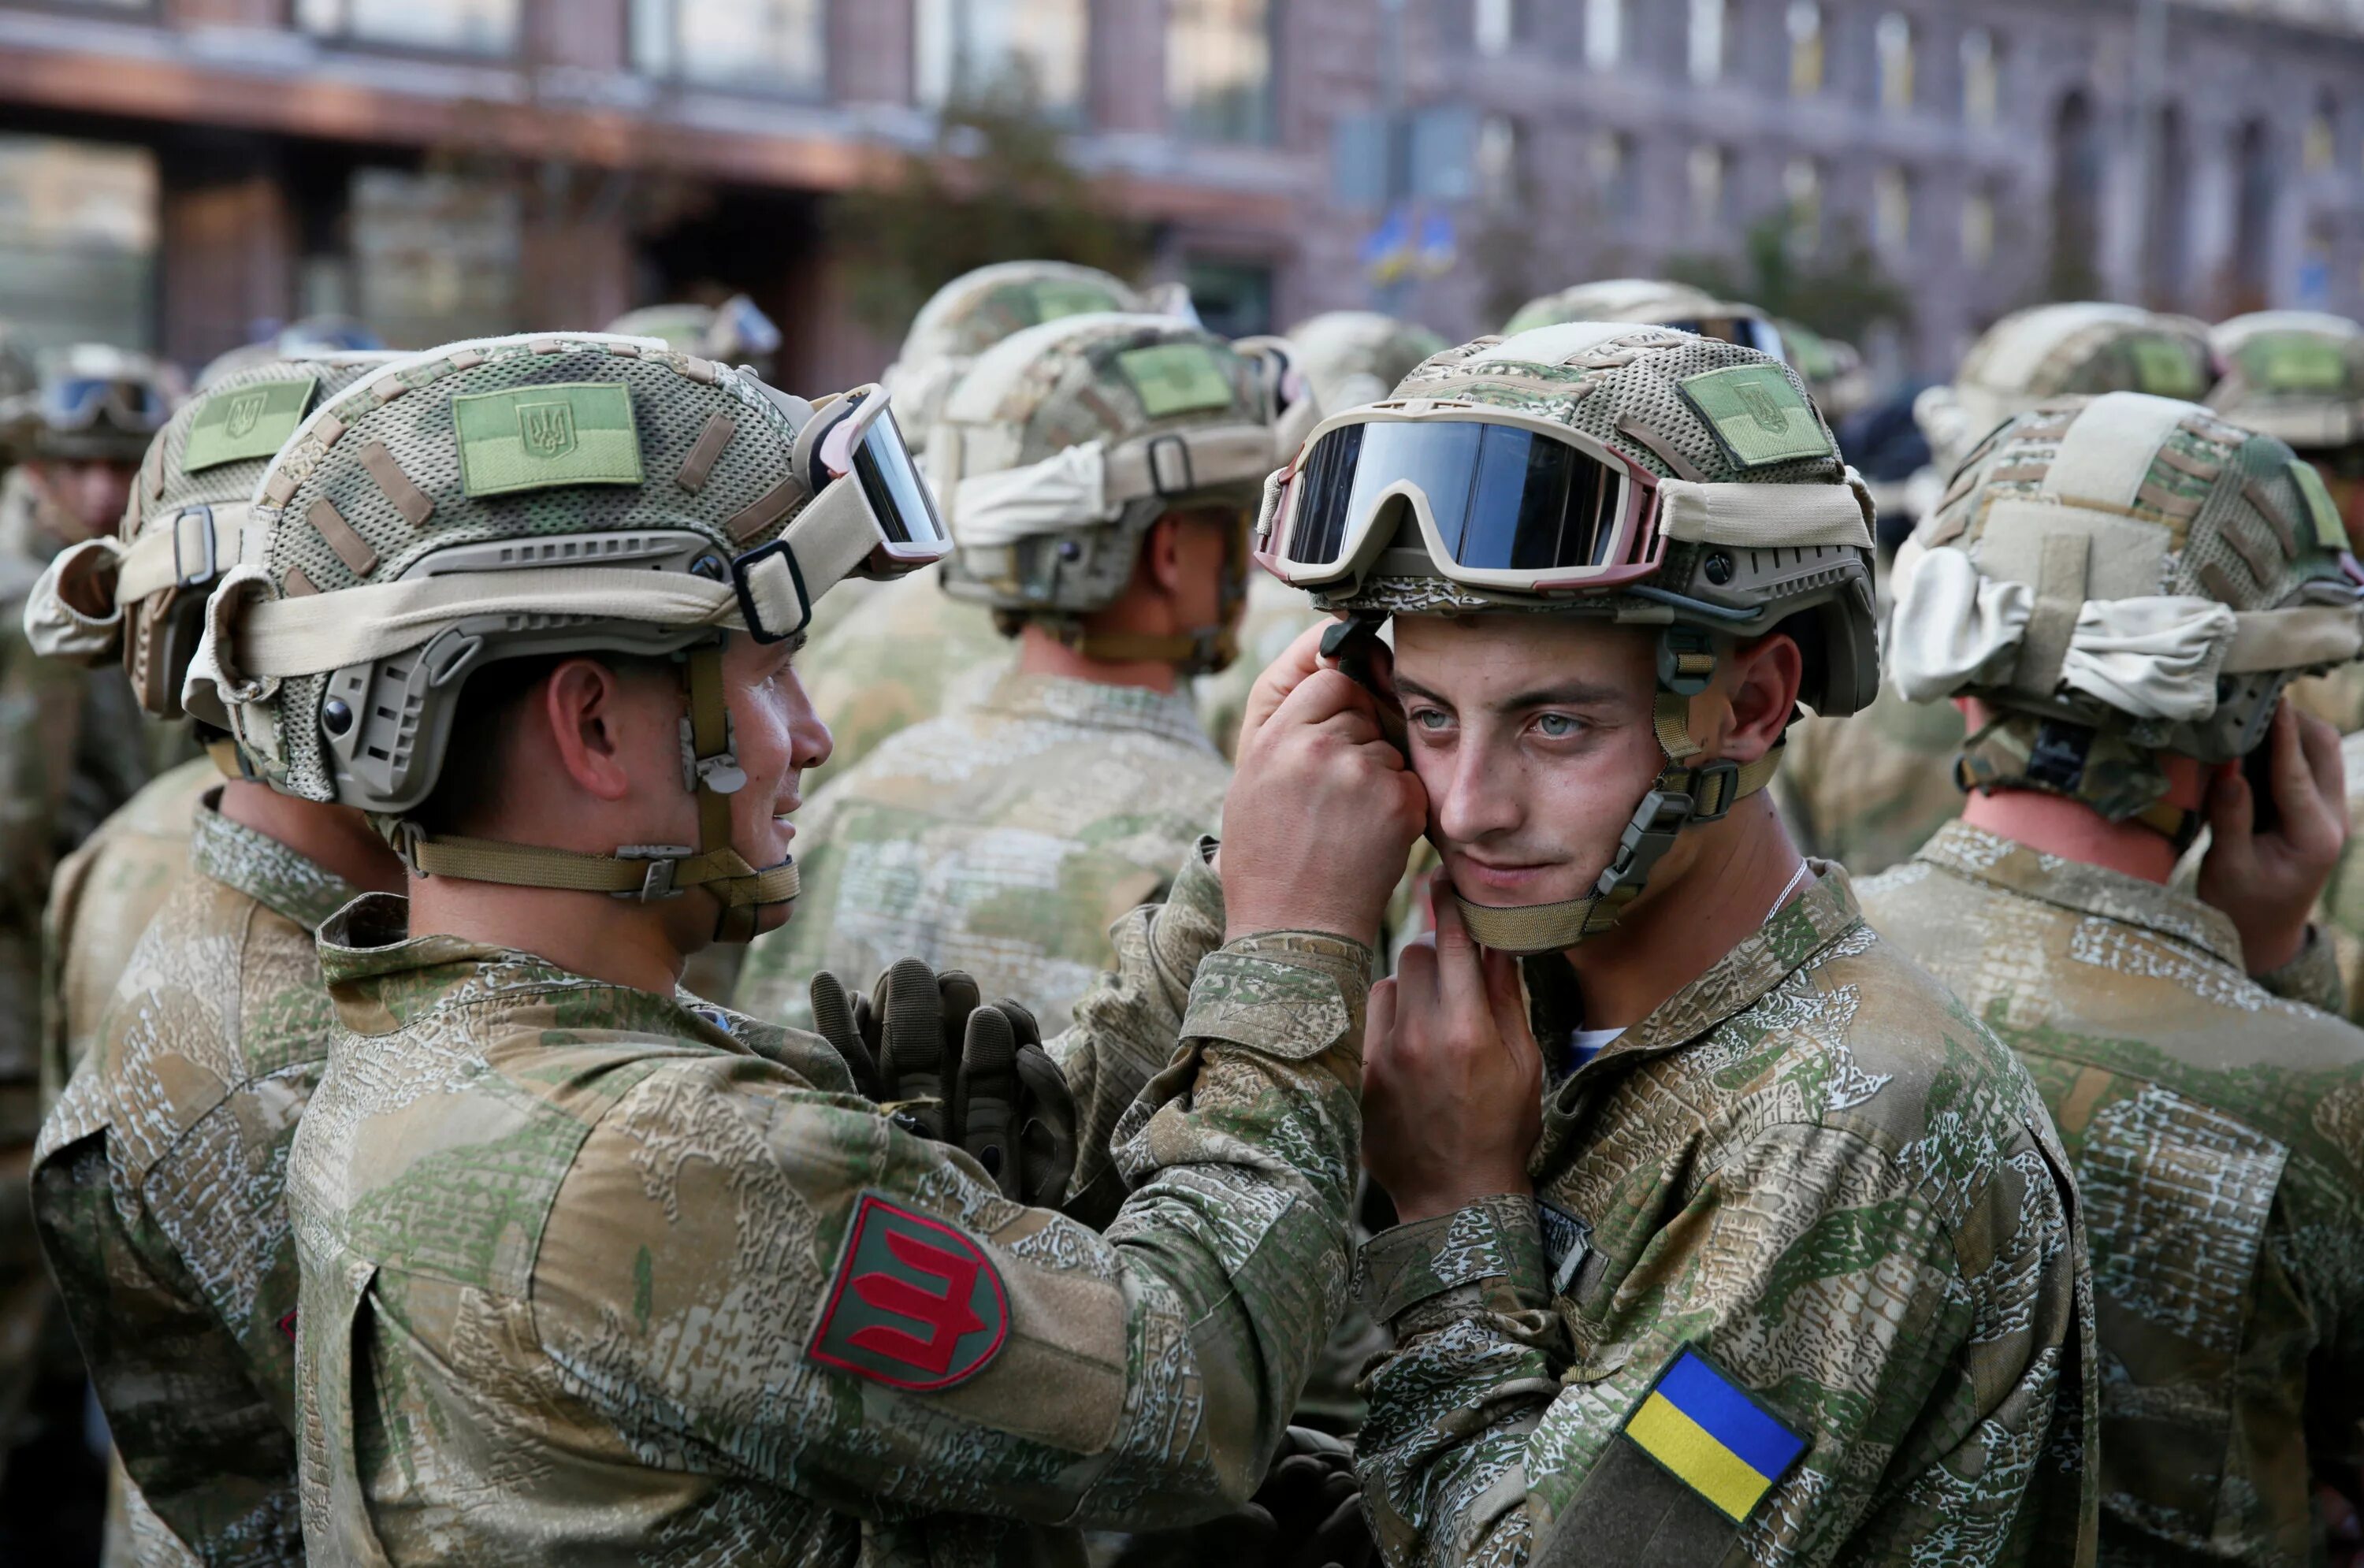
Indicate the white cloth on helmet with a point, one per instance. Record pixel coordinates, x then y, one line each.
55 626
1067 490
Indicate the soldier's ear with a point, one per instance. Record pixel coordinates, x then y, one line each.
584 716
1765 676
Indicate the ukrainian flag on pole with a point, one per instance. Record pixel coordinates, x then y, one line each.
1706 1431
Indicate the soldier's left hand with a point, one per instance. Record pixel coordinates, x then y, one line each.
2268 881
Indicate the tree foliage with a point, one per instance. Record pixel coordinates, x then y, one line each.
1840 290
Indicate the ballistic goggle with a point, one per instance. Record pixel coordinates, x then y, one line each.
872 516
77 403
1502 499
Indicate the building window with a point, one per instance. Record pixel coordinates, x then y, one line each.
1805 49
1611 154
1500 174
463 27
1494 26
2320 149
1707 41
1706 167
77 241
772 45
1802 183
970 49
435 256
1604 34
1894 39
1981 80
1219 69
1891 210
1978 230
1233 298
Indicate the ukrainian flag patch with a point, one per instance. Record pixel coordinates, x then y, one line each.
1709 1433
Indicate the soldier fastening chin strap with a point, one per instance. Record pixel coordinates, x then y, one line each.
645 871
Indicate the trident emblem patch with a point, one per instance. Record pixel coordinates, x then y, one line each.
1769 416
915 1303
244 413
547 429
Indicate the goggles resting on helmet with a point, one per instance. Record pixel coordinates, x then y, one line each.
75 403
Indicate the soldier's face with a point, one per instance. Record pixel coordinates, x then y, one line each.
92 492
1532 738
777 736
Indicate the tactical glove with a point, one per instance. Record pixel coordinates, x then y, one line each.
958 1070
1315 1503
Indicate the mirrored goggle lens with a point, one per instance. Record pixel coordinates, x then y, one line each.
883 466
1748 331
1503 498
75 405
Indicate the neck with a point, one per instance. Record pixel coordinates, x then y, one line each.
334 837
1681 926
2072 830
621 941
1040 653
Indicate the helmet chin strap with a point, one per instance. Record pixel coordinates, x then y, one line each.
645 871
1681 796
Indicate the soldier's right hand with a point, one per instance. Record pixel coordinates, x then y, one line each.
1321 812
955 1069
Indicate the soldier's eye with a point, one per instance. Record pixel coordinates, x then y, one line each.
1556 726
1429 718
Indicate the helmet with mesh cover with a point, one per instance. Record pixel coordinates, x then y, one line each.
2054 350
1633 475
2118 577
1063 444
1357 356
142 593
94 403
533 496
735 332
1655 302
2297 374
978 310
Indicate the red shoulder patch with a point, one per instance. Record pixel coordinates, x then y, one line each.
914 1303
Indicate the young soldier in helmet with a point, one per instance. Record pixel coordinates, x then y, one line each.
2118 594
158 1183
1866 790
1099 475
589 1266
1770 1249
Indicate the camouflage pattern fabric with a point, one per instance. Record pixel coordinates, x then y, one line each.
2218 1136
912 653
1003 840
1814 1168
100 902
1868 789
582 1269
158 1184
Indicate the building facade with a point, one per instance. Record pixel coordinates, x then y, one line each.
176 173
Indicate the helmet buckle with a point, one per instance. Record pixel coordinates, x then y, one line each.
657 880
1724 776
207 551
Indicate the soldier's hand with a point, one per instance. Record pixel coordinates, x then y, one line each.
1315 1503
1320 814
1452 1080
1282 676
2267 881
1011 1107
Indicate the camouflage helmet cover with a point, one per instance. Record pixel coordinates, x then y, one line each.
2120 576
1062 445
1351 357
1657 301
2298 375
978 310
2053 351
143 593
733 332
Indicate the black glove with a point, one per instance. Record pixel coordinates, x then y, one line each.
955 1069
1315 1503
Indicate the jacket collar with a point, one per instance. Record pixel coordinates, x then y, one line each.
1981 856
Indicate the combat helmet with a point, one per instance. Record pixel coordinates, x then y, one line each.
540 495
1832 368
1637 475
1657 301
1064 443
732 333
142 593
2299 375
2114 578
94 402
307 337
978 310
2054 350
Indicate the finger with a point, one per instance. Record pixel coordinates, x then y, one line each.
1282 676
834 1021
1415 979
2232 817
1460 981
986 1097
1379 1017
912 1047
2326 769
1506 999
1046 1125
956 998
1323 695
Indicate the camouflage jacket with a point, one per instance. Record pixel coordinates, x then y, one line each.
583 1272
1002 839
101 900
1808 1212
1868 789
903 653
158 1184
2218 1135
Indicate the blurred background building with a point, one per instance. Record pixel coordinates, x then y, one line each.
181 175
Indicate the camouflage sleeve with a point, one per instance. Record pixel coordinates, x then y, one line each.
2312 977
1126 1026
825 1303
1802 1266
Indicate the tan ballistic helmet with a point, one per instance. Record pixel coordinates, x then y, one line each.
1832 369
1724 511
95 402
2117 577
978 310
1063 444
735 332
1655 302
143 594
535 495
2055 351
2298 375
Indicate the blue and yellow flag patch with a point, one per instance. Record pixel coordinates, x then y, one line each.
1709 1433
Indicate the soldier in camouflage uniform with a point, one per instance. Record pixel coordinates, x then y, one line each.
1772 1252
1003 839
590 1267
1869 790
158 1180
2123 588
